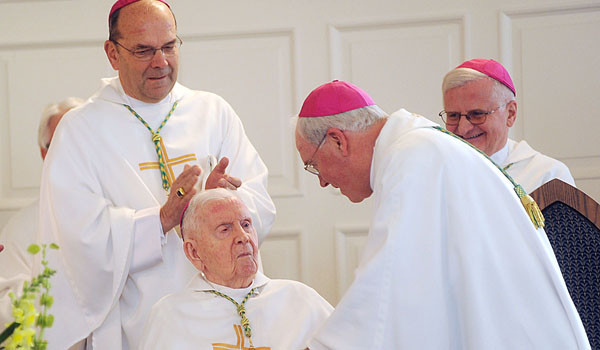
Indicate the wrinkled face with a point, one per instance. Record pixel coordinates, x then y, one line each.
492 135
334 168
227 243
145 25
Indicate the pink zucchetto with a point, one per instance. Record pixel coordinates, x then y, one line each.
122 3
333 98
492 69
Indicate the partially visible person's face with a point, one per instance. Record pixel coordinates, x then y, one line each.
227 243
52 124
490 136
143 25
334 169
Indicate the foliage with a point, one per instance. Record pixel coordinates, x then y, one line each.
27 330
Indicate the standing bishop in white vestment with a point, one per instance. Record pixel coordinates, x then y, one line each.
121 170
229 304
482 91
452 260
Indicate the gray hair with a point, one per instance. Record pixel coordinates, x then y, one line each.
48 113
461 76
313 129
192 217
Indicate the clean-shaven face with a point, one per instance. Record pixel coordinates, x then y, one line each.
490 136
143 25
334 169
228 243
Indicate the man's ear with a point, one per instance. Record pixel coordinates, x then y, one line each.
191 252
340 139
511 108
189 247
111 52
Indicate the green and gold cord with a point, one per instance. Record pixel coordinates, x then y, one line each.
156 139
241 310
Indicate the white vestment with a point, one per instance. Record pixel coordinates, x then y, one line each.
452 260
283 315
528 167
15 262
100 200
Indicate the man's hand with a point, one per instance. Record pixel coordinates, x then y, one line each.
170 212
218 178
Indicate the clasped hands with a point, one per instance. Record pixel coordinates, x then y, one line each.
170 212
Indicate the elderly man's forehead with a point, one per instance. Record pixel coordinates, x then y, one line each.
220 204
224 207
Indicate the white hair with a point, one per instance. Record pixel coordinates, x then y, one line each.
313 129
48 113
192 217
461 76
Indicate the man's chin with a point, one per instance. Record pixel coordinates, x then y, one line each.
356 198
248 263
158 90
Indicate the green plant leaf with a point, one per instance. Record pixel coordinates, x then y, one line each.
54 246
49 320
33 249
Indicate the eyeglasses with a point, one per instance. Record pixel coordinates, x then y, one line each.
475 117
308 165
144 53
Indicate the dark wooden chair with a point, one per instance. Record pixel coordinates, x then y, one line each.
573 228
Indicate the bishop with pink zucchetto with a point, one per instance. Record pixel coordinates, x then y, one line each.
452 261
480 107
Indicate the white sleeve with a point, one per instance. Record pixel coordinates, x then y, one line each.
147 241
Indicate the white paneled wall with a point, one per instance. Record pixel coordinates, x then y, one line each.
265 57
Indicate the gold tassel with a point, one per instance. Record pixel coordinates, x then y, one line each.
533 211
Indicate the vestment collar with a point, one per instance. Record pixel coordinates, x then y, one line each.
111 90
519 151
199 284
500 156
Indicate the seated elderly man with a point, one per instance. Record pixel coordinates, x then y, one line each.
229 304
482 92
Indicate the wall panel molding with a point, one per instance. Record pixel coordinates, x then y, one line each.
69 69
376 56
13 204
263 97
349 245
283 253
553 75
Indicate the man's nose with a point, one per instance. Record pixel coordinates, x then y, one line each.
322 182
463 127
241 236
159 59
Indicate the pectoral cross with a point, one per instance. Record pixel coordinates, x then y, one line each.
239 344
170 162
